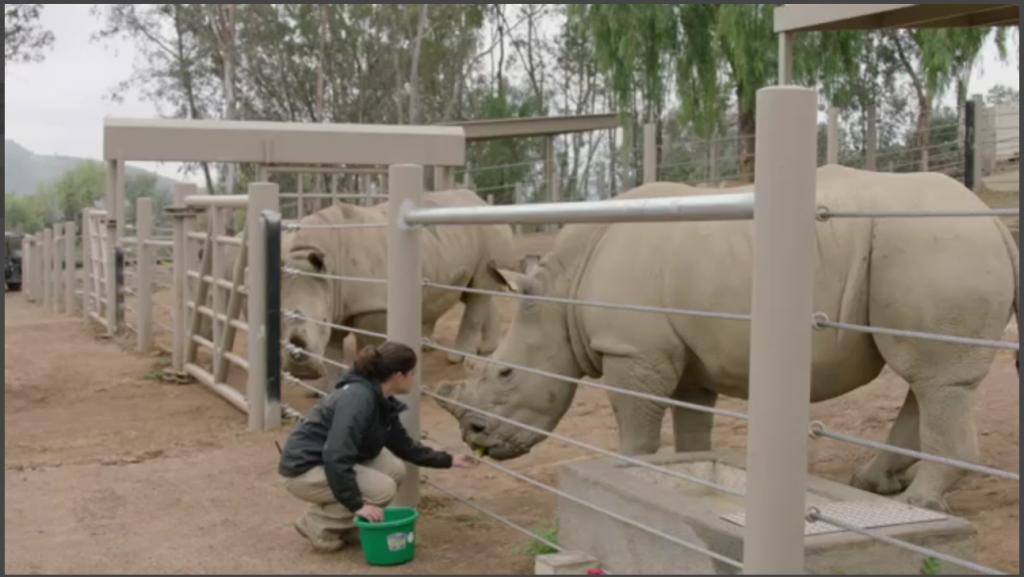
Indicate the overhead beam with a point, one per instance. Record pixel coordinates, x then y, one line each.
805 17
489 129
173 140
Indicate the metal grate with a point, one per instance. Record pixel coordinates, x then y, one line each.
865 514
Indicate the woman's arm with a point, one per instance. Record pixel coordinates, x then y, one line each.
404 447
341 451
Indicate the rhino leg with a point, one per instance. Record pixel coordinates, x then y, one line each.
886 473
639 420
471 325
373 322
692 429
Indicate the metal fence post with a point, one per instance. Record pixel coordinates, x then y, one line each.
650 152
47 268
109 246
780 356
972 160
271 223
69 267
144 275
180 272
832 151
26 268
118 308
86 265
262 414
405 298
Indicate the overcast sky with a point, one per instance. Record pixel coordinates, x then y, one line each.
57 106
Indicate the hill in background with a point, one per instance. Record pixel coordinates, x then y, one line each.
25 171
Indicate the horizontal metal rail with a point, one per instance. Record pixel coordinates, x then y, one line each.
294 349
154 242
224 390
221 282
220 317
496 516
318 195
818 429
217 200
334 170
297 272
231 357
585 446
598 304
813 514
824 213
162 326
715 207
821 321
342 226
302 384
635 524
595 385
346 328
230 240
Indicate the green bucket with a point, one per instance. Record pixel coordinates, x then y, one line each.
393 540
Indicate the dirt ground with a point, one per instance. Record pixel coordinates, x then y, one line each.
110 470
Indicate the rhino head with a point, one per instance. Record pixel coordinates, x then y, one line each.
538 338
311 298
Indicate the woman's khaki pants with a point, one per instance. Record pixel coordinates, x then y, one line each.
378 481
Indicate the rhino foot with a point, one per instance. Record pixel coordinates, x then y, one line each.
885 483
935 503
455 359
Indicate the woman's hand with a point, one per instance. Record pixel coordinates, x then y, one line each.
463 462
371 513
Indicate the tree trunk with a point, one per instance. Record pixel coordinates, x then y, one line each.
747 127
185 70
871 137
414 70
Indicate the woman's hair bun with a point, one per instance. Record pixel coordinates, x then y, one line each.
379 363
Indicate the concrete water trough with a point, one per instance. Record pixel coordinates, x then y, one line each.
714 520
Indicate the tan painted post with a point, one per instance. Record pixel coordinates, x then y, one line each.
405 300
47 268
180 271
118 214
86 265
69 267
782 308
832 151
56 270
444 178
263 414
786 41
144 275
650 152
299 194
109 245
26 270
551 176
217 217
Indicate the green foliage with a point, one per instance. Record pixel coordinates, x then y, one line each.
509 157
24 38
25 211
930 566
536 547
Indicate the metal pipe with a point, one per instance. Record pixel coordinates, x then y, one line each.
825 214
813 514
715 207
294 349
271 223
598 304
297 272
586 446
820 321
592 384
818 429
218 200
780 336
351 225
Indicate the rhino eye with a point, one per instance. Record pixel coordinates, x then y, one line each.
505 373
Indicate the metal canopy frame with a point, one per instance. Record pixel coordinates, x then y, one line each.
806 17
173 140
491 129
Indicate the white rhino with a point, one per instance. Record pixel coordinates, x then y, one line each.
953 276
452 255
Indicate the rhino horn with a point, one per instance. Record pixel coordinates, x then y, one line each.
452 390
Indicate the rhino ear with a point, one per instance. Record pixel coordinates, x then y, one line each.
311 254
514 281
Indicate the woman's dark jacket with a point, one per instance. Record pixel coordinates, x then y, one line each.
349 426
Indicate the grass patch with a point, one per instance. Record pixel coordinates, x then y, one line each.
537 547
930 566
157 372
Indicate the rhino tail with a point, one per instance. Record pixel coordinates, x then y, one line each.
1011 248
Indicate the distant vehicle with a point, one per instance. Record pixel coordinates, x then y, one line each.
12 264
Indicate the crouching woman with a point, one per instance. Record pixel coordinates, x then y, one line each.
345 458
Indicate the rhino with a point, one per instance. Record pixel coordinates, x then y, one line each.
953 276
453 255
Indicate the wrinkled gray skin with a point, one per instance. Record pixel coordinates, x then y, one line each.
951 276
452 255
